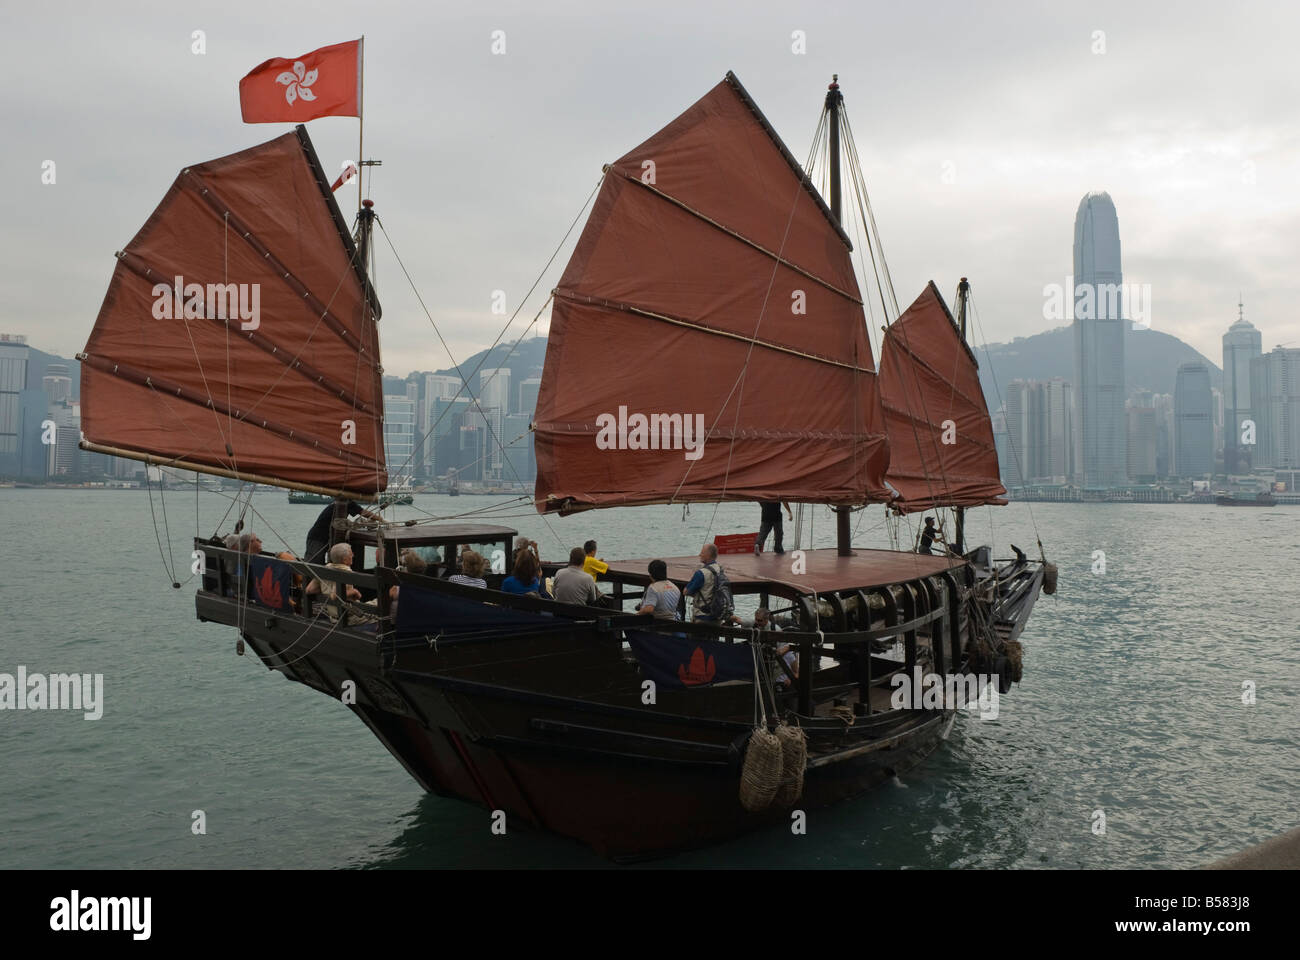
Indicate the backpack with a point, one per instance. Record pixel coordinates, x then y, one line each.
718 606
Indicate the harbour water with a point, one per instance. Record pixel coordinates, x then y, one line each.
1131 706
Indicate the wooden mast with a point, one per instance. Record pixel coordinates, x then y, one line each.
834 101
365 224
963 294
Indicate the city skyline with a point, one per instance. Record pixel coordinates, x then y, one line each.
1200 177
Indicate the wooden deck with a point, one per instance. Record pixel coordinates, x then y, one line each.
825 570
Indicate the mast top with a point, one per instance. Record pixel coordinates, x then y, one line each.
833 96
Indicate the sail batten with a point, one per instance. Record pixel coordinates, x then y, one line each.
940 436
283 354
238 335
245 234
741 237
707 338
704 328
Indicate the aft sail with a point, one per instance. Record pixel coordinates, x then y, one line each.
238 335
707 340
940 435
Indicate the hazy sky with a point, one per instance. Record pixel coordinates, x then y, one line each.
980 128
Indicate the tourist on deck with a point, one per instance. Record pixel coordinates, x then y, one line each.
247 544
662 596
526 577
573 584
927 536
525 546
590 564
318 537
770 522
340 557
761 620
295 593
703 583
412 562
471 570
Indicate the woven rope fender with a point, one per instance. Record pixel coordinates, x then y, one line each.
1049 578
794 760
1015 653
760 777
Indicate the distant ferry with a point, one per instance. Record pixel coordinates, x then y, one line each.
1263 499
301 496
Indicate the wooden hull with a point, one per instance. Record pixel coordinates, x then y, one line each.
552 731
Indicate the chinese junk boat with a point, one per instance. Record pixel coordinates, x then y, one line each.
698 243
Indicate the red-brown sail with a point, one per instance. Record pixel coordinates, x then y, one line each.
929 384
287 387
710 287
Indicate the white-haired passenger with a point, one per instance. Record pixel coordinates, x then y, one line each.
340 556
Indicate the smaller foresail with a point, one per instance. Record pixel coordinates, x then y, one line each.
940 436
237 336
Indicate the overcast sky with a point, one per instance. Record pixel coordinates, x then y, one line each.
980 127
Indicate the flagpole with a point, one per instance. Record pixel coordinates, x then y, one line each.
361 115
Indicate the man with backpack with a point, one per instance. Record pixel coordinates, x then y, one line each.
709 589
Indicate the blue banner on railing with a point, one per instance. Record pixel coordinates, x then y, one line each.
675 661
269 582
430 612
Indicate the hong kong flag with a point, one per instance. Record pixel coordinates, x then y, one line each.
323 83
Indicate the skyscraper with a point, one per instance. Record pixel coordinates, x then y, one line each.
494 389
1193 421
1016 466
437 387
399 434
1275 404
1058 448
64 455
1241 345
56 383
13 381
1101 444
528 389
1143 435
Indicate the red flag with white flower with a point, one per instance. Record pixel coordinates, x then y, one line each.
323 83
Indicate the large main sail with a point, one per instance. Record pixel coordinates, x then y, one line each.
940 436
707 340
238 335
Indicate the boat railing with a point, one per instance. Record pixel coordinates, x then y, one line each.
239 574
920 608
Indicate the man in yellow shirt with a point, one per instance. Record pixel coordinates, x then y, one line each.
590 564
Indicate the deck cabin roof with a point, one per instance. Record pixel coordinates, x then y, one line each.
422 533
826 571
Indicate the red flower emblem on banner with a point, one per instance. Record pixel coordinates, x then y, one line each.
268 589
700 670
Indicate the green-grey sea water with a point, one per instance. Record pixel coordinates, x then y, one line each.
1131 704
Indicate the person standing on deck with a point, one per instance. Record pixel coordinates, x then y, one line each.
927 536
771 523
318 537
703 584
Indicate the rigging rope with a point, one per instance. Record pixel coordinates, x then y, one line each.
515 346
